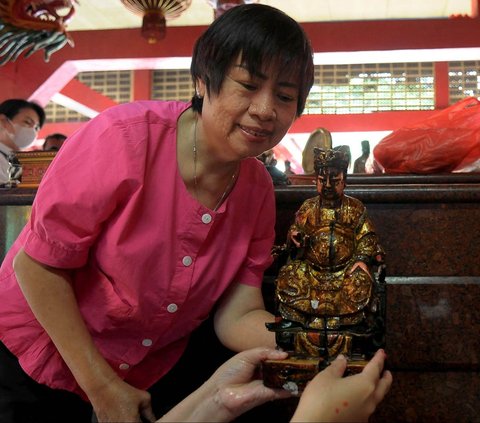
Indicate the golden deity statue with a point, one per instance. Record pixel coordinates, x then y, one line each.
330 293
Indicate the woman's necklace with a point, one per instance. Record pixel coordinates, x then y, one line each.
195 183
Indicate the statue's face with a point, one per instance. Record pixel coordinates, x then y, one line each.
331 183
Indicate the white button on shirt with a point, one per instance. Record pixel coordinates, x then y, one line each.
124 366
187 261
206 218
172 308
147 342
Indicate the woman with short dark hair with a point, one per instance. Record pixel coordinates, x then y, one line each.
153 214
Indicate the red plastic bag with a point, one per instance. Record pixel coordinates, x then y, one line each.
448 141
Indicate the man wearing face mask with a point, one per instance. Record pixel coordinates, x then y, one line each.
20 121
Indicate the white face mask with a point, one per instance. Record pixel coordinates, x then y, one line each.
23 136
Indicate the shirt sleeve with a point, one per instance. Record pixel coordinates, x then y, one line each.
95 172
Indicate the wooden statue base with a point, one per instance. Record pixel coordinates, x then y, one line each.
293 373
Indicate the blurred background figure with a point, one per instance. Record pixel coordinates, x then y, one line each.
345 149
53 142
20 121
320 138
359 164
288 169
270 162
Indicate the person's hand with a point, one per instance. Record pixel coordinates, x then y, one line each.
361 265
120 402
237 389
296 238
230 391
329 397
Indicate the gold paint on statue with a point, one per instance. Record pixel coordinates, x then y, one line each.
328 299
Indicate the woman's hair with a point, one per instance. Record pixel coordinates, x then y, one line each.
11 107
264 36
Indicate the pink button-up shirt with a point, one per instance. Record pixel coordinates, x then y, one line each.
149 261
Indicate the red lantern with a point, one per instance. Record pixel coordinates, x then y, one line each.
155 13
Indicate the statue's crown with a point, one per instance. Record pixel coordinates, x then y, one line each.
337 158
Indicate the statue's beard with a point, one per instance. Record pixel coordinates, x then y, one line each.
330 194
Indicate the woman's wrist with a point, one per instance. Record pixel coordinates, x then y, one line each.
204 404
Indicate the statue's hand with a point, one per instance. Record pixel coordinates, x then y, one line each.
361 265
297 238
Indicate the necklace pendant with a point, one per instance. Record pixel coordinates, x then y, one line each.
230 184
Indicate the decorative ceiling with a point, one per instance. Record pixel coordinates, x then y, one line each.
111 14
26 26
58 84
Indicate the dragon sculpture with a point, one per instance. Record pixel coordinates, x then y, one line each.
28 26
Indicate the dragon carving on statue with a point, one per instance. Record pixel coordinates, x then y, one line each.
28 26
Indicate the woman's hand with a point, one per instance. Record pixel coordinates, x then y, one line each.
237 389
329 397
52 299
118 401
230 391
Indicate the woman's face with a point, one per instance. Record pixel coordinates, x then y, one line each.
250 114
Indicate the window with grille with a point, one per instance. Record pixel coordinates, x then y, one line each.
172 84
365 88
114 84
57 113
463 80
338 89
